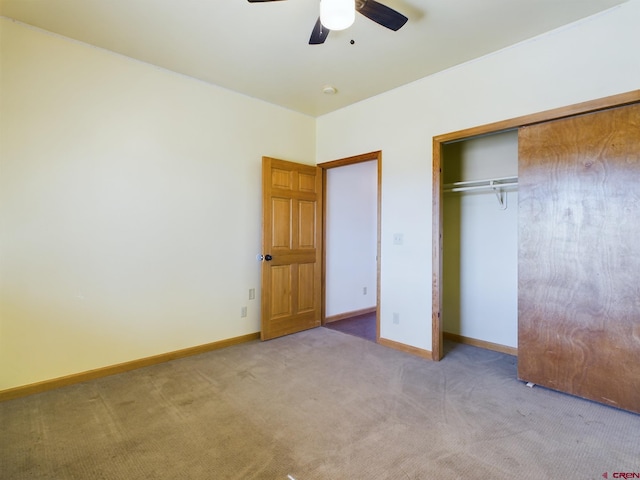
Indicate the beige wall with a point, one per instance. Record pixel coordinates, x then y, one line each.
129 206
587 60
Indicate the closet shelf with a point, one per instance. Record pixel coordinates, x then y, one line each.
490 184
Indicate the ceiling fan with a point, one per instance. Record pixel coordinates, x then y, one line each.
379 13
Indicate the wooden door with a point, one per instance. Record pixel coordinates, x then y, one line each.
579 256
292 247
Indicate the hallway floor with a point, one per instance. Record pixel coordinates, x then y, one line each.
363 326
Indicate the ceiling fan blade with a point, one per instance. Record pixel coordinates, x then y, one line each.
319 33
260 1
379 13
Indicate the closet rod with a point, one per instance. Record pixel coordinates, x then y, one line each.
491 184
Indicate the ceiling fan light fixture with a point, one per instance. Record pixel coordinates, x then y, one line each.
337 14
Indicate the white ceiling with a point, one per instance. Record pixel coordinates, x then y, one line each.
261 49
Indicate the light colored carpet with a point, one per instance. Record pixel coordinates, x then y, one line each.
316 405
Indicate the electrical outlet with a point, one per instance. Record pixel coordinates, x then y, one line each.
398 238
396 318
252 294
243 312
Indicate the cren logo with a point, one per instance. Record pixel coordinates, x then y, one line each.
605 475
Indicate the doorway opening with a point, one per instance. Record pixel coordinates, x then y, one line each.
351 245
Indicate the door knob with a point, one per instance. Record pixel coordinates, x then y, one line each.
268 258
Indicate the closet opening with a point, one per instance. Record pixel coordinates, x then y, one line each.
445 142
480 241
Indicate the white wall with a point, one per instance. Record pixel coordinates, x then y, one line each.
130 206
590 59
480 242
351 237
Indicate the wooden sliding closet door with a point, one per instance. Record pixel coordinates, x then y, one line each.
579 256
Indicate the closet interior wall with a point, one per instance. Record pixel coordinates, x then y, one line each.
480 242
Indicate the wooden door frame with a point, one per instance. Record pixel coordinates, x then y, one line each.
365 157
514 123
